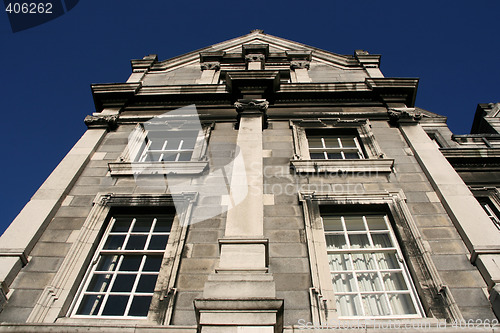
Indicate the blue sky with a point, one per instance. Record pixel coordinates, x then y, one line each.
453 47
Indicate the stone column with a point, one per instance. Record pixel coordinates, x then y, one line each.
240 296
209 70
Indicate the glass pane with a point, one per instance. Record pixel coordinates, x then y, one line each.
332 142
363 261
99 282
186 156
156 144
376 222
153 264
107 262
115 306
189 142
334 156
387 260
136 242
173 143
114 242
334 242
315 142
140 306
381 240
122 223
347 142
142 224
394 281
123 283
90 305
369 282
375 305
354 223
332 223
402 304
169 157
163 223
131 263
343 283
359 241
158 242
351 156
339 262
147 283
317 156
349 305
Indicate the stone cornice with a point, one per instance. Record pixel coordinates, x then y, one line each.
210 65
404 115
107 122
244 105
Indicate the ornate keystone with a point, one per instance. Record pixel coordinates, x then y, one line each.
255 57
404 115
107 122
210 65
299 64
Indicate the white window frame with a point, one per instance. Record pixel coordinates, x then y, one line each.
57 301
489 199
371 156
133 160
434 296
340 149
114 273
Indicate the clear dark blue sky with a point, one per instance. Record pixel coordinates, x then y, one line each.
452 46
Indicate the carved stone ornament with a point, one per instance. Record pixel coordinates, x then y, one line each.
255 57
210 65
299 64
403 115
251 105
108 122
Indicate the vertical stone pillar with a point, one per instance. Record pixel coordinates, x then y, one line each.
240 296
209 70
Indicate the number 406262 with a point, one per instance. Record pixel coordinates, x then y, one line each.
29 8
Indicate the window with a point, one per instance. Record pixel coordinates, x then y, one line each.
122 277
368 273
367 260
174 147
489 199
330 146
333 146
490 210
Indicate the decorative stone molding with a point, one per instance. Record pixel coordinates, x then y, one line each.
243 105
210 65
107 122
299 64
404 115
255 57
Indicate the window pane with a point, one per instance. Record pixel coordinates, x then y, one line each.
363 261
136 242
332 142
158 242
170 157
107 262
147 283
163 224
354 223
348 142
359 241
314 142
369 282
349 305
99 282
114 242
381 240
394 281
375 305
131 263
122 224
351 156
142 224
376 222
173 143
339 262
317 156
90 305
186 156
189 142
115 306
387 260
156 144
140 306
343 283
153 264
335 242
123 283
332 223
402 304
334 156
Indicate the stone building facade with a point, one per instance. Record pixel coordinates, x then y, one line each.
260 185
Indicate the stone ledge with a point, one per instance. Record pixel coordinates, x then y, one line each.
342 166
156 168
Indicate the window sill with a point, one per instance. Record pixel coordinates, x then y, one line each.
157 168
342 166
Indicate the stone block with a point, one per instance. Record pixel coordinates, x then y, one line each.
294 300
282 211
432 221
32 280
14 314
290 282
288 250
283 236
202 236
184 317
469 297
73 211
417 196
475 313
448 262
95 172
440 233
196 266
192 281
70 223
448 246
292 317
56 236
43 264
289 265
50 249
205 251
463 279
111 148
184 300
425 208
82 200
